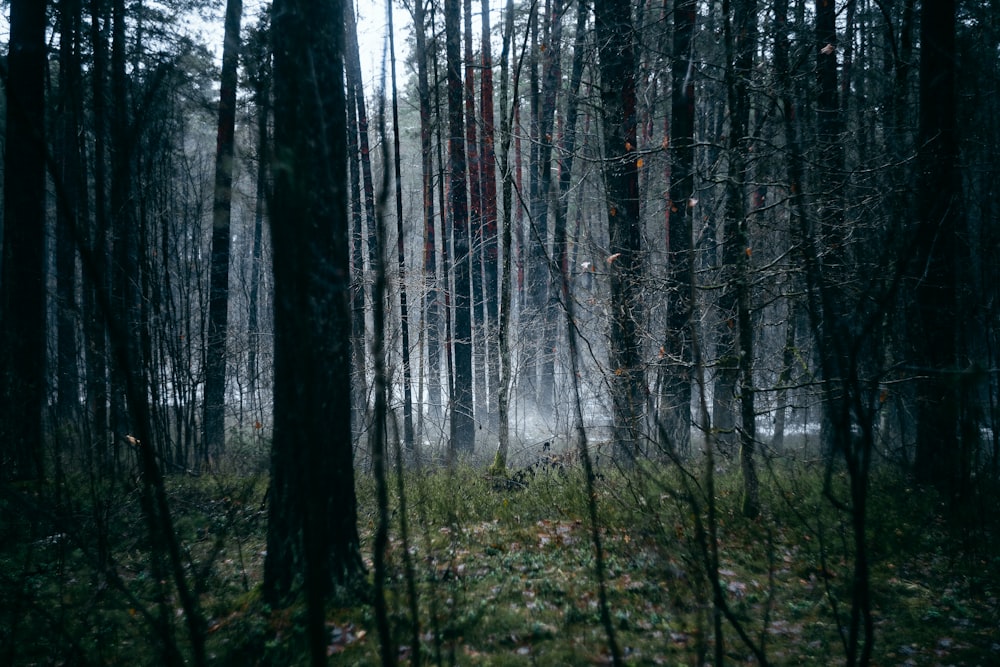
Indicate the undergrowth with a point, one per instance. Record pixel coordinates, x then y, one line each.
505 576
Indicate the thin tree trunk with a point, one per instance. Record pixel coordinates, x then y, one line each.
476 204
552 79
355 82
507 122
96 347
359 391
218 308
463 428
261 79
125 269
404 321
432 318
68 211
489 220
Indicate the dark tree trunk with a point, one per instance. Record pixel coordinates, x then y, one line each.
432 318
676 360
126 365
359 340
479 325
261 82
735 388
218 305
68 212
312 537
489 221
22 279
463 428
96 288
615 39
934 272
830 241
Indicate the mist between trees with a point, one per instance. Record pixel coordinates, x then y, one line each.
666 247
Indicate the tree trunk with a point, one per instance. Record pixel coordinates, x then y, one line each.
551 81
618 105
934 271
404 322
355 83
261 83
432 318
97 287
832 237
359 340
312 538
734 391
476 203
126 364
218 308
463 428
676 360
68 210
489 221
22 274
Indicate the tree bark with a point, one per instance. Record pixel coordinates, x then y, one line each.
404 321
489 221
218 305
463 428
312 537
934 273
734 391
22 275
676 359
68 212
615 40
432 328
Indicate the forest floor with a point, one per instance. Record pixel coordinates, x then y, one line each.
507 576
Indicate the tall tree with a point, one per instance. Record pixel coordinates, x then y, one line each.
463 428
676 359
68 157
404 318
616 44
831 255
432 297
551 80
258 61
736 387
312 536
22 275
476 204
218 308
934 268
489 217
95 334
360 158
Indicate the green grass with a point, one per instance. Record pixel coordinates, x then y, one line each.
508 577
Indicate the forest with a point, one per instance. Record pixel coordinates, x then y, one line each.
536 333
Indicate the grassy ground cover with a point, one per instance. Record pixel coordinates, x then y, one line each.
506 576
